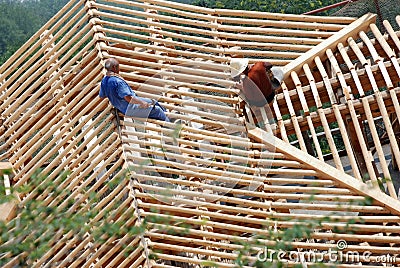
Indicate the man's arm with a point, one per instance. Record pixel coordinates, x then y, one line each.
134 100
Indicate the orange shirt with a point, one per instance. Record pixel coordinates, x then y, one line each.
257 86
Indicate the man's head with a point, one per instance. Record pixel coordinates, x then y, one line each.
112 65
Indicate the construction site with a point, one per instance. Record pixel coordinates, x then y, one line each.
231 184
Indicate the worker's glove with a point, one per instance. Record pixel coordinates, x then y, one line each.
277 78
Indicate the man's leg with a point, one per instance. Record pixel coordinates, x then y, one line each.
158 113
153 112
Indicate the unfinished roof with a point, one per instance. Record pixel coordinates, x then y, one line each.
230 174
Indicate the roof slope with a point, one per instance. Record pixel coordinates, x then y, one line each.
215 180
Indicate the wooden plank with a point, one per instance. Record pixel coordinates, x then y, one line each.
5 166
8 210
324 169
353 29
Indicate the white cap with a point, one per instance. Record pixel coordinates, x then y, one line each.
278 73
238 65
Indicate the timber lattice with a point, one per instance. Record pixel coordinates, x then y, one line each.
323 148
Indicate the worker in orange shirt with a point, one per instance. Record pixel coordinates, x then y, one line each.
258 82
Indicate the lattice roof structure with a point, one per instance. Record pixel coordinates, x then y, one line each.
324 153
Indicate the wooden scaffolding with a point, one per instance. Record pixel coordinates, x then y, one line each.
224 174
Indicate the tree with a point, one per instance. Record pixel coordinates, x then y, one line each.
20 20
275 6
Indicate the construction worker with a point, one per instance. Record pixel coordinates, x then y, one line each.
122 97
257 81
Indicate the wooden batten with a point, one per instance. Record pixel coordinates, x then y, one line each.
8 209
210 168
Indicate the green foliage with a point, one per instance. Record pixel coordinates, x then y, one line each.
20 20
276 6
39 225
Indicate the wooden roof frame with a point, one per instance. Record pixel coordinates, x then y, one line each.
228 179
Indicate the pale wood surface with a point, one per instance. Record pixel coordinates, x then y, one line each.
218 177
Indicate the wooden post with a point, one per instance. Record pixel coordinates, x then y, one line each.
8 209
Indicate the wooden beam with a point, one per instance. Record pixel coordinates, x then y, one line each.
5 166
8 209
361 24
326 170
